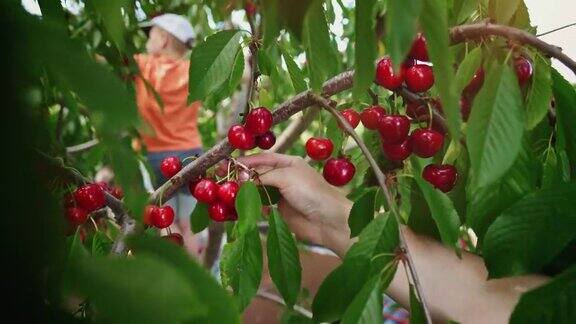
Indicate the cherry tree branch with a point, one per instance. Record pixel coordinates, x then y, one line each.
382 182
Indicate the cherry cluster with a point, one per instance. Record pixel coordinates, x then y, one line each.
255 131
220 198
86 199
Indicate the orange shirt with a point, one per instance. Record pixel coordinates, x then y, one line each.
176 127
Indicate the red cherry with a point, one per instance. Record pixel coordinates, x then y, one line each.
385 75
227 192
417 110
419 78
523 70
418 50
170 166
218 211
476 83
117 192
192 184
250 8
426 142
163 218
397 152
232 214
371 116
258 121
338 172
174 238
205 191
465 107
394 128
240 138
352 117
90 197
104 185
76 216
150 212
319 148
266 141
442 177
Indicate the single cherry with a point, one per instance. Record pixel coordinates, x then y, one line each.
175 238
258 121
206 191
192 184
385 75
419 78
232 214
240 138
465 107
163 218
338 171
89 197
371 116
442 177
319 148
117 192
397 152
227 192
394 128
266 141
426 142
351 116
476 83
150 212
104 185
218 211
250 8
418 50
170 166
76 216
524 70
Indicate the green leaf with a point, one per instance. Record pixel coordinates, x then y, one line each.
554 302
367 305
417 314
364 46
283 259
362 212
211 63
565 98
138 290
76 250
539 93
514 242
378 238
269 195
296 75
221 307
270 25
237 72
435 24
467 68
101 244
551 171
401 23
503 10
441 207
111 14
495 127
319 52
249 208
466 9
199 218
241 266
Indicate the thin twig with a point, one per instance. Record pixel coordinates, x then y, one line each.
556 29
382 182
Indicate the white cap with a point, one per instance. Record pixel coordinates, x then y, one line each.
176 25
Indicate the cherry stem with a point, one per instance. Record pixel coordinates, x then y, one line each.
94 223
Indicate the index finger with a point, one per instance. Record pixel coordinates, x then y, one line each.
273 160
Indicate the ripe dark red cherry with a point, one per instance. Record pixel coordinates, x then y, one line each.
338 171
523 70
218 211
104 185
442 177
319 148
426 142
150 212
419 78
76 216
371 116
418 50
174 238
250 8
476 83
258 121
394 128
89 197
465 107
206 191
240 138
352 117
385 75
117 192
397 152
232 214
266 141
227 192
170 166
163 218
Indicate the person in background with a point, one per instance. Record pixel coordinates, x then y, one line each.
171 130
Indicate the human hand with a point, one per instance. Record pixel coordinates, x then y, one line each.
313 209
